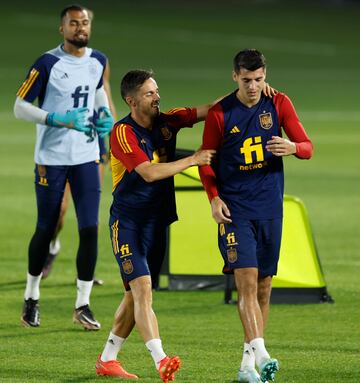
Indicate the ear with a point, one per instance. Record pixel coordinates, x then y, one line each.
130 100
61 30
234 76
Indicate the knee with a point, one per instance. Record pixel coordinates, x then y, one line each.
246 282
141 291
264 292
247 291
264 298
88 233
128 301
42 235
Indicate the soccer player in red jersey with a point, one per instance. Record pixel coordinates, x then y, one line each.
143 165
245 186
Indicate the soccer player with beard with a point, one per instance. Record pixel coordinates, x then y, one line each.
142 147
67 81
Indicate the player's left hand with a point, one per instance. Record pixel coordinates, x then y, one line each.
280 146
104 123
269 91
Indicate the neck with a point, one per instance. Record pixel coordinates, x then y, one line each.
73 50
246 101
143 120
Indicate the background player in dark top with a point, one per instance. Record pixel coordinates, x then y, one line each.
245 186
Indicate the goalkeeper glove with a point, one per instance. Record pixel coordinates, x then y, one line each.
73 119
104 123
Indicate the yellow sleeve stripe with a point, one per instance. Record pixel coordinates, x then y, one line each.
27 84
174 110
121 136
118 136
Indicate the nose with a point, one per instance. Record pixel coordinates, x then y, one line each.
80 27
252 85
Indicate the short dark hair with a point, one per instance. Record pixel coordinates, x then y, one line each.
250 59
133 80
75 7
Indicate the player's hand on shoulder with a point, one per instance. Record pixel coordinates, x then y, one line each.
280 146
203 157
269 91
220 211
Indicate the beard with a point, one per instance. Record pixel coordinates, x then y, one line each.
78 43
155 112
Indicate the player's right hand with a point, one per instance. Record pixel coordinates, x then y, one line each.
73 119
220 211
203 157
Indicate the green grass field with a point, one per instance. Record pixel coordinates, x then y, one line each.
313 56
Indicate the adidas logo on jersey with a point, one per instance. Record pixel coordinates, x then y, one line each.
235 129
65 75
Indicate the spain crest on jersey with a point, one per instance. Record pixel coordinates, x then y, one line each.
127 266
266 121
232 255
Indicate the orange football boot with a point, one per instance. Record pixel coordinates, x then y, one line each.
168 367
112 368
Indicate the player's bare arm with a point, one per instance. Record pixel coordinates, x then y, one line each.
280 146
220 211
151 172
